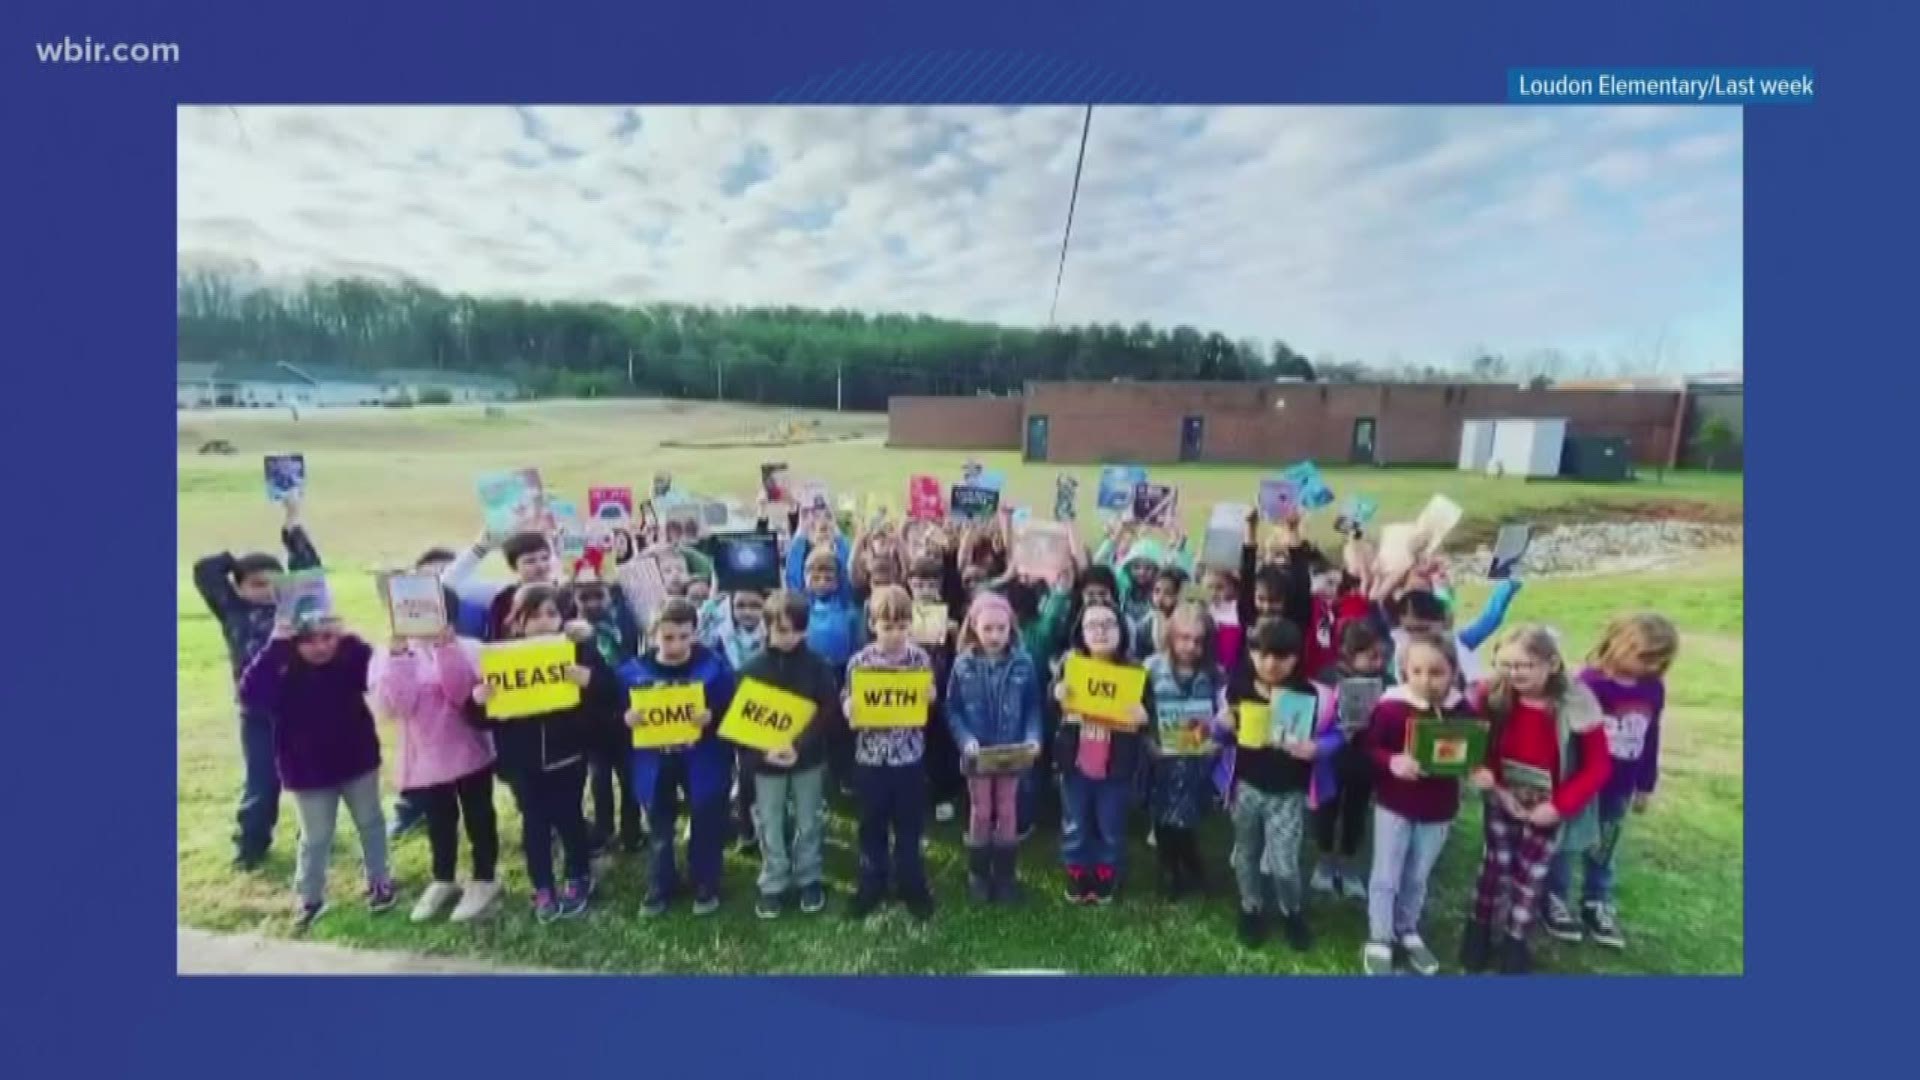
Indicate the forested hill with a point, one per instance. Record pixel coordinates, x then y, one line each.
786 356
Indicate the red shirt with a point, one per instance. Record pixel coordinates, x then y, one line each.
1532 737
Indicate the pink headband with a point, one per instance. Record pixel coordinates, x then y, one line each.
988 601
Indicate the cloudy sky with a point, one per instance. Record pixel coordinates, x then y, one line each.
1383 234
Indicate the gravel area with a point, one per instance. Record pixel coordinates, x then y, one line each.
1610 548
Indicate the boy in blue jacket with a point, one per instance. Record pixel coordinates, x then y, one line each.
701 772
835 631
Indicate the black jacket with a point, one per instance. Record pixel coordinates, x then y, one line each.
798 672
557 739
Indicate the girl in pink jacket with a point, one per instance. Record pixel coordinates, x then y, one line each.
446 765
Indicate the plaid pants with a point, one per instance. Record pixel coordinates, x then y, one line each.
1266 847
1512 870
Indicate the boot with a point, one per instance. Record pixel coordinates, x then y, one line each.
1476 947
980 874
1516 958
1006 868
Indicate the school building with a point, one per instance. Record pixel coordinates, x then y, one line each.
1086 423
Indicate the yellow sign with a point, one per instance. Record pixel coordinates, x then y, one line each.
1098 690
528 677
765 717
667 715
1256 724
892 699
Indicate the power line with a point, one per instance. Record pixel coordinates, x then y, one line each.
1086 125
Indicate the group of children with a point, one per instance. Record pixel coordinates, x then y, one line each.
1568 753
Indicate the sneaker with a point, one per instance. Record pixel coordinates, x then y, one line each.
655 905
1603 925
1476 947
434 900
381 896
1105 884
1153 838
1025 832
545 909
707 902
813 898
1079 885
573 897
476 900
1294 926
1515 957
1353 888
1253 928
767 906
1419 957
943 812
1559 922
1377 958
303 919
919 905
863 903
1324 879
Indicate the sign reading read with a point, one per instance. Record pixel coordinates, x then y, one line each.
528 677
891 699
667 715
1097 690
765 717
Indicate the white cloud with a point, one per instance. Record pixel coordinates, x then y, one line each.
1364 232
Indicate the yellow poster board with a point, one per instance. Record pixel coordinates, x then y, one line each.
892 699
1098 690
765 717
1256 724
528 677
667 715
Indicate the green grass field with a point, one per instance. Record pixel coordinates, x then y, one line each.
385 485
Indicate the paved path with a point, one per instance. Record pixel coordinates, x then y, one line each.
200 952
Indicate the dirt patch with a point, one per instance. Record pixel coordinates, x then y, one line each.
1475 533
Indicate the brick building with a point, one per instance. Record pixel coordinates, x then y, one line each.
1261 423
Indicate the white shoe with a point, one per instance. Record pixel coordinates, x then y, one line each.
476 900
943 812
435 900
1323 881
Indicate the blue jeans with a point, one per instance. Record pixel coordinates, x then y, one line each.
1093 819
1599 859
893 806
259 808
706 841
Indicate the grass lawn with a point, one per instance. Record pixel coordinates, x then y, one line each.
385 485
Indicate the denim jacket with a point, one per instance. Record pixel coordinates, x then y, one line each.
994 702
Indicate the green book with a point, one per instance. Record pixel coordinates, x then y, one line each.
1448 747
1521 778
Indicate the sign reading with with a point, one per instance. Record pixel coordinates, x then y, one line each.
892 699
528 677
765 717
1097 690
667 715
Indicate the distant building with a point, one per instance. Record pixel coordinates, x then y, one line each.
283 385
458 385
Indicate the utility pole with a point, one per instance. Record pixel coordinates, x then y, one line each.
719 376
629 367
838 385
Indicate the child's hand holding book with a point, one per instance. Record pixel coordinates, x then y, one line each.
1404 767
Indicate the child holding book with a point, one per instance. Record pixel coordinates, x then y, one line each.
700 773
790 783
890 773
1340 822
1189 690
238 591
1148 634
313 683
834 632
1626 672
1548 759
1414 811
543 758
1098 759
992 701
530 557
945 782
1273 784
735 626
446 766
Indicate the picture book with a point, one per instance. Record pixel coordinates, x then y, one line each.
970 503
512 502
1295 715
1356 513
1226 535
1066 493
1041 549
1527 782
930 623
416 605
1436 521
1313 490
925 501
1447 747
301 599
1279 498
970 471
999 760
813 496
773 481
1155 504
1356 698
569 530
1509 547
991 479
644 582
1116 487
1185 727
662 484
286 477
613 505
746 561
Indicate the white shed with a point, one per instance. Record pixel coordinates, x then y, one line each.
1476 444
1527 447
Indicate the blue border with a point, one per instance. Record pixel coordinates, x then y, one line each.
90 898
